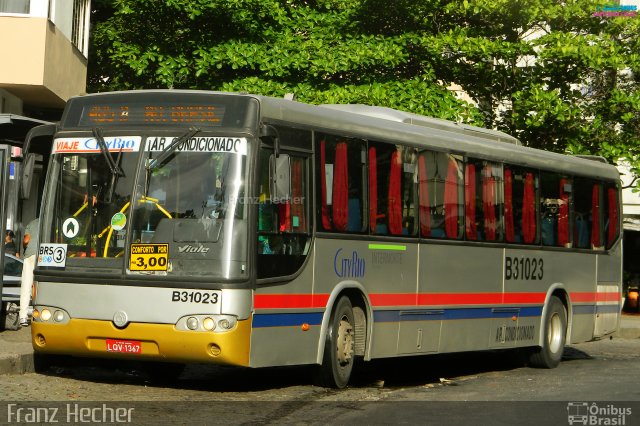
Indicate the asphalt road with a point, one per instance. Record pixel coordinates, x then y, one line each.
471 388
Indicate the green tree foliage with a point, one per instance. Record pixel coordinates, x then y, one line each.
547 72
314 49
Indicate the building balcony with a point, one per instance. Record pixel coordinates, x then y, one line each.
41 66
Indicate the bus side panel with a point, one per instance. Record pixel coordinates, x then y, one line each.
609 292
391 281
281 310
536 272
610 266
388 273
465 284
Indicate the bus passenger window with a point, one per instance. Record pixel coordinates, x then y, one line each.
555 199
587 214
283 225
341 177
520 209
612 222
392 190
483 211
440 178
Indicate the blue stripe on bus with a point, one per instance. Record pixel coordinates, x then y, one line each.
315 318
287 320
593 309
454 314
608 309
584 309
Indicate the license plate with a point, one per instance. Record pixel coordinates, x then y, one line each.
124 346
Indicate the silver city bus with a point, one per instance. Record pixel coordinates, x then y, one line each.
192 226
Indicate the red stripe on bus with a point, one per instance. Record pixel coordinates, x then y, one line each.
393 299
273 301
288 301
524 298
459 298
285 301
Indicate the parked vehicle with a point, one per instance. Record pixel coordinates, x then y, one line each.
11 278
10 292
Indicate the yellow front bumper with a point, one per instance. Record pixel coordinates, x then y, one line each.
159 342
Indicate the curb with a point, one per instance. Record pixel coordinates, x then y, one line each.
627 333
16 351
16 364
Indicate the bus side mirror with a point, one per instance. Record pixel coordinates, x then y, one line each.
280 177
27 175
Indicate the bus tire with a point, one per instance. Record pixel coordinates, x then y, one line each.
553 341
338 359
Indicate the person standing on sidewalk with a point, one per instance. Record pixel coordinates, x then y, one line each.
30 244
9 244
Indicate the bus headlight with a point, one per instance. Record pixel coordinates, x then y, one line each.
192 323
45 315
208 324
50 314
215 323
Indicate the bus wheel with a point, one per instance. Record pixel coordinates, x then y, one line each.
337 361
555 332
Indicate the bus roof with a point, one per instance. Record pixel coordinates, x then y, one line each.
421 120
389 125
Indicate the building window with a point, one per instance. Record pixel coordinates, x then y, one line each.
72 19
80 28
14 6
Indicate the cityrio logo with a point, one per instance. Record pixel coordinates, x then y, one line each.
615 11
583 413
349 266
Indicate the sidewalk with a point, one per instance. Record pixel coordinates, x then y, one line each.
16 352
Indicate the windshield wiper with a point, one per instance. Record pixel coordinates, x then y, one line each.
113 166
166 153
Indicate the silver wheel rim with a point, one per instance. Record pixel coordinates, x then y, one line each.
554 333
344 344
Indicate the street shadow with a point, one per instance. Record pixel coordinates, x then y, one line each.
572 354
388 373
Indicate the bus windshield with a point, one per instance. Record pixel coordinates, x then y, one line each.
189 204
88 192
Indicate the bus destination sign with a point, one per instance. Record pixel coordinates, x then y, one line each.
131 113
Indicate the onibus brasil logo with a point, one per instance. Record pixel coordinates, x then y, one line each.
583 413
